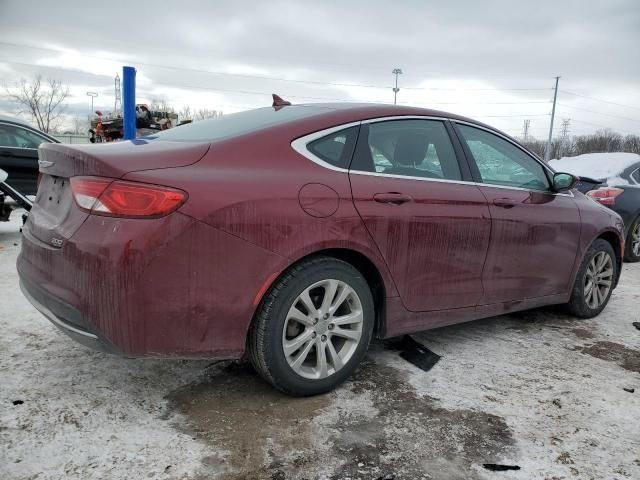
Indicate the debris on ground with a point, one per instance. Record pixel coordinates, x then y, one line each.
494 467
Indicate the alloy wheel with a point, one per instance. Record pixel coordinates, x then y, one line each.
598 279
323 329
635 239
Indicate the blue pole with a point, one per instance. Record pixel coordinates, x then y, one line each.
129 102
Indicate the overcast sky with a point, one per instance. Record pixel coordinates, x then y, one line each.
491 60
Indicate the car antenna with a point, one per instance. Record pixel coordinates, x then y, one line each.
279 102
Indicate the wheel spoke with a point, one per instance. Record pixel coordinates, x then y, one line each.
330 288
335 357
321 358
345 333
606 283
291 346
588 287
607 273
349 319
298 316
308 303
302 356
340 298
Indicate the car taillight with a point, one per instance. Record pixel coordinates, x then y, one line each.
605 195
118 198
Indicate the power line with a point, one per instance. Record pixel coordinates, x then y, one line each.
603 126
599 113
247 92
263 77
600 100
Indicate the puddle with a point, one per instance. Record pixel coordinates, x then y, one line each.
243 418
374 426
614 352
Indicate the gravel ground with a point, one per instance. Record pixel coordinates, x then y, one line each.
539 391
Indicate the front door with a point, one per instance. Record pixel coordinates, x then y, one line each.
431 227
535 232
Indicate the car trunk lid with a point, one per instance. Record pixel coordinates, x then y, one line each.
55 216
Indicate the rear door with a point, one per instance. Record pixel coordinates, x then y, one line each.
535 232
19 156
430 226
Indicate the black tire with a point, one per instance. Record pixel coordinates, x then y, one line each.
266 333
629 256
577 304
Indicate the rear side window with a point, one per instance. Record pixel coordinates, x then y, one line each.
635 175
336 148
411 148
500 162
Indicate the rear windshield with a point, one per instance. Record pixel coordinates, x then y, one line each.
235 124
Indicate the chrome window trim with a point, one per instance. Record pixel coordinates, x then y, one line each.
300 146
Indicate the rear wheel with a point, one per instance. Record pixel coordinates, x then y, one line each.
595 280
313 327
632 248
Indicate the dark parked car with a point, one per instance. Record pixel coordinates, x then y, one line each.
19 153
613 179
295 234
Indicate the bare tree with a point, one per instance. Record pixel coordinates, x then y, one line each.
185 113
204 113
160 105
598 142
42 100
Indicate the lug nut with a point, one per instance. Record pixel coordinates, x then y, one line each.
323 338
315 321
313 335
331 325
326 315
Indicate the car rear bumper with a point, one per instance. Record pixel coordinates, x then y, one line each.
166 287
67 318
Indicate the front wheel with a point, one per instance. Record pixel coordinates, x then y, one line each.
313 327
594 281
632 248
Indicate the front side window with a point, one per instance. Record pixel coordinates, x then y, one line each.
413 148
502 163
18 137
336 148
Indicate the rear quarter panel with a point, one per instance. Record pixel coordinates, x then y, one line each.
249 187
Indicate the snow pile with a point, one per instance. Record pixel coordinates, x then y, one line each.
599 166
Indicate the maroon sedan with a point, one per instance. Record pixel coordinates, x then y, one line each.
295 234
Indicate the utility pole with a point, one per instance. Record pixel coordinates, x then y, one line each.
525 130
547 153
396 72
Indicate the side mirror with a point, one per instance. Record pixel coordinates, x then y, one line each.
564 181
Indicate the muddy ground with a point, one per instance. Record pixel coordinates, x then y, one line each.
532 395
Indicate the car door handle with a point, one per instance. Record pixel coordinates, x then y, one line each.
392 198
504 202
